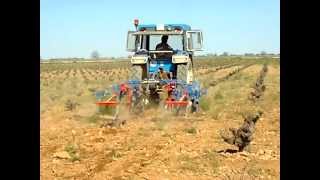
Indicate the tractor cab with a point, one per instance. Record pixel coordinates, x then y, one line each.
177 61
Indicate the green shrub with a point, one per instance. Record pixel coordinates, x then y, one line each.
204 103
71 149
93 119
218 96
106 110
191 130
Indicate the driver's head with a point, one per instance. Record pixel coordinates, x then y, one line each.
164 39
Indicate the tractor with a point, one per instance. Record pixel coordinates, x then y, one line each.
178 92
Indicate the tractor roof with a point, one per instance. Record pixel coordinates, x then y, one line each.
153 27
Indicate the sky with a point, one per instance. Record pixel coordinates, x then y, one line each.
75 28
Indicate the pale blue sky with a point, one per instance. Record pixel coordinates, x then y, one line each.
74 28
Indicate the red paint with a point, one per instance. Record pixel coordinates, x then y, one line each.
136 22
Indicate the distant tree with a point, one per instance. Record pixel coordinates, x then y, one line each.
225 54
212 54
95 55
263 53
249 54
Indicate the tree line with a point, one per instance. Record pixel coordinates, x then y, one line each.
96 55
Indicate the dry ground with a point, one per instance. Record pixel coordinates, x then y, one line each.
156 145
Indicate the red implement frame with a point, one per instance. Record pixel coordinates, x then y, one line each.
171 103
182 102
112 101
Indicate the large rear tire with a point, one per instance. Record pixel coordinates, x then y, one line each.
185 72
182 70
136 72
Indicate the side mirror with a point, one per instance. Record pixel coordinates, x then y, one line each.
132 41
199 38
190 43
194 40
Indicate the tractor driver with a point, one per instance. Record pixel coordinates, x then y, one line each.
163 46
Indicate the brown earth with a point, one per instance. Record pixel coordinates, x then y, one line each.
158 146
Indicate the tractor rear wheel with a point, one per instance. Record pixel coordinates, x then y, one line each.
136 72
182 72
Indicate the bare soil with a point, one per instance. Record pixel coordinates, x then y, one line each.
155 145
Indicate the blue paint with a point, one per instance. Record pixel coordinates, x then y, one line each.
147 27
193 90
184 27
153 27
166 64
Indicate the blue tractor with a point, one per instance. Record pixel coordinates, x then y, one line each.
159 76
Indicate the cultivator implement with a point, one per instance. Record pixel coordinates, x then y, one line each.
134 96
